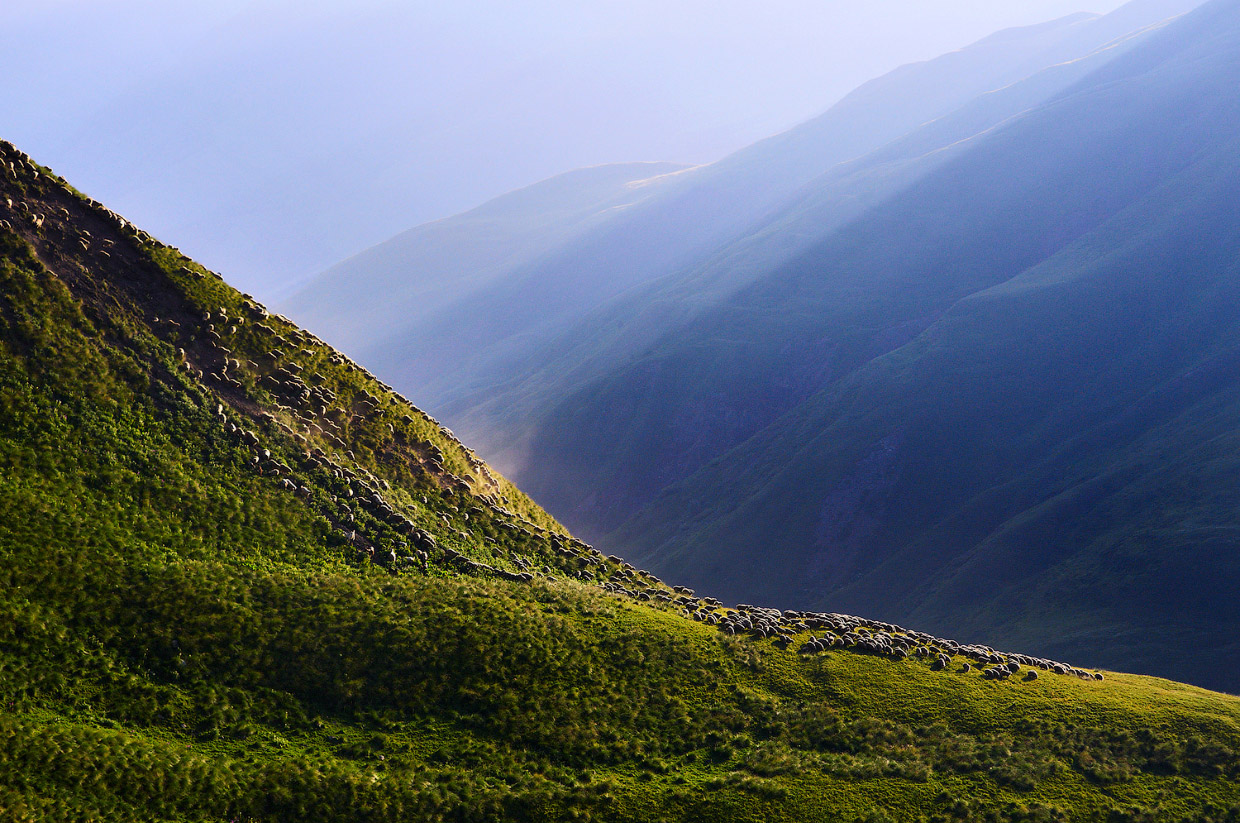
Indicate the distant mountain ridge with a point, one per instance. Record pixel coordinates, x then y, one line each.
433 267
869 394
480 339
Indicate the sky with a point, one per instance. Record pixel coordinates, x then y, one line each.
270 139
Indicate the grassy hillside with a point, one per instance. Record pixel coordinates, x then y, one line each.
242 580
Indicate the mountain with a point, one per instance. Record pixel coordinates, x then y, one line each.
540 404
1011 369
484 339
975 379
378 296
242 579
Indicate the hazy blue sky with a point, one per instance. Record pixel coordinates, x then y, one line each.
271 138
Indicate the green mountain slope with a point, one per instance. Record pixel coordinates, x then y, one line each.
240 579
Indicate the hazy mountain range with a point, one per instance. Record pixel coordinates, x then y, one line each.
968 363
